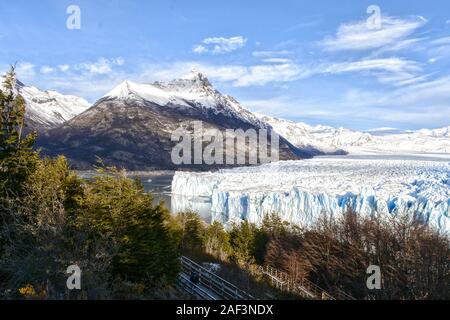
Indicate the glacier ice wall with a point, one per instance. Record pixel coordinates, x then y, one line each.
301 191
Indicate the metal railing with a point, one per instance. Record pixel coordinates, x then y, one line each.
302 286
212 287
185 284
221 287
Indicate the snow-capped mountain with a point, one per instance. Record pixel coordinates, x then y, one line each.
194 91
131 126
49 109
302 135
438 133
329 140
424 141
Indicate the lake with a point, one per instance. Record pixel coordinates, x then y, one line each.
160 185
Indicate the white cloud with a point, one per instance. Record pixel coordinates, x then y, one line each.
281 70
101 67
304 24
434 59
119 61
47 70
277 60
280 106
438 48
64 67
220 45
401 79
441 41
424 103
235 75
395 65
264 74
427 93
25 70
391 71
74 79
271 54
357 36
413 43
166 72
199 49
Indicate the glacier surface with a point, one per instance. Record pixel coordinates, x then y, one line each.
301 191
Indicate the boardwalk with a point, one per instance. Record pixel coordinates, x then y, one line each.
205 285
209 285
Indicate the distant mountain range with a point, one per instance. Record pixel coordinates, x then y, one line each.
131 126
379 141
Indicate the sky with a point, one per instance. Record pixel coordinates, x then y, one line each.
356 64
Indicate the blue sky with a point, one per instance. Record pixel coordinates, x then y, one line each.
319 62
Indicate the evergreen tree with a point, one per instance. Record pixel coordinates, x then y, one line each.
192 231
17 157
242 241
117 209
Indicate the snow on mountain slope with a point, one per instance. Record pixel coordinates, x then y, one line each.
385 141
302 191
47 109
300 135
192 91
441 132
422 141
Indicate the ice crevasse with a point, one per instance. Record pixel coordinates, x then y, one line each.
301 191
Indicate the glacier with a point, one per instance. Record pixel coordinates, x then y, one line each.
301 191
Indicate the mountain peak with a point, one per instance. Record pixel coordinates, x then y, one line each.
194 84
121 90
194 79
195 75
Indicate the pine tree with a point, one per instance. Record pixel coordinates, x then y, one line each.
192 231
242 240
117 209
17 157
